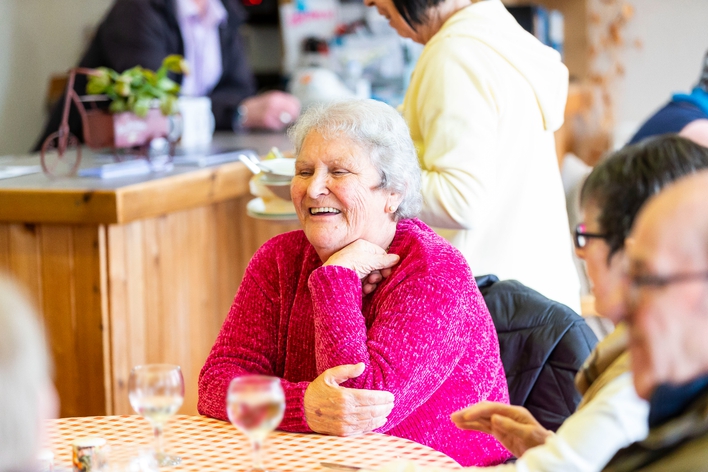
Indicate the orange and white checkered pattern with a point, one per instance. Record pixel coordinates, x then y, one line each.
206 444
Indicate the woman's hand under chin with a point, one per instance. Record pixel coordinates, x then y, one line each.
370 262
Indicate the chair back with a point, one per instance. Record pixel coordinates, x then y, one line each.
542 344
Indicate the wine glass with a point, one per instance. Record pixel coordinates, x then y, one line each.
255 405
156 392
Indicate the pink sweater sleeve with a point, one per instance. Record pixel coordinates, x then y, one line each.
248 344
422 328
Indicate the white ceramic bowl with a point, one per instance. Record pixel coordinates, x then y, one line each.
278 170
268 189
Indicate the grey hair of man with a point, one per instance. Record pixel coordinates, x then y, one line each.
382 133
24 379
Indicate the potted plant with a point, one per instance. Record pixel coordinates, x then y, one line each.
140 109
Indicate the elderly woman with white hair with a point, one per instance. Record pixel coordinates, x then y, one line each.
27 395
366 296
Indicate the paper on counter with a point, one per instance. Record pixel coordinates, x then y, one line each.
117 169
200 160
8 172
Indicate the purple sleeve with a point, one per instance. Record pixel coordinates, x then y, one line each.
423 326
247 344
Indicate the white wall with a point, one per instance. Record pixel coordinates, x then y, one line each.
37 38
674 34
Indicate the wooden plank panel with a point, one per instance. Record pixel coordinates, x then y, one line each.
56 242
106 319
153 245
25 259
118 316
89 319
4 248
229 266
202 303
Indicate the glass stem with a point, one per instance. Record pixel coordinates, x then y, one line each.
257 446
157 430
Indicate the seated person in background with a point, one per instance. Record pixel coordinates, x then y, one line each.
366 296
611 415
667 316
27 396
685 114
206 33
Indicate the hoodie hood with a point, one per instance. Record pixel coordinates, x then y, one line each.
494 26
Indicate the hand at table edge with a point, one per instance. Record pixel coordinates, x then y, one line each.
340 411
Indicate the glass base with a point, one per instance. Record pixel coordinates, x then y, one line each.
167 460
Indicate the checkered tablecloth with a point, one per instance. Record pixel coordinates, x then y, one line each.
206 444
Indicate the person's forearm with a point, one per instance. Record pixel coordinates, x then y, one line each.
403 333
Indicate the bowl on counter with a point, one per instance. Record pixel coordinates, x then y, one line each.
261 185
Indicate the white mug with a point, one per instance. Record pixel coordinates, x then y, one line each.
197 121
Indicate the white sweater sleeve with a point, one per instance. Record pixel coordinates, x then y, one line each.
585 442
589 438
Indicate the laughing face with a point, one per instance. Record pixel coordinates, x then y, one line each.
337 196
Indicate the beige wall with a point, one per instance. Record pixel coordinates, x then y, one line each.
37 38
675 38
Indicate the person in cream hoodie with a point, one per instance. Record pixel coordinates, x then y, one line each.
483 102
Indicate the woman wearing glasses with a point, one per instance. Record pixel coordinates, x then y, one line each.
611 415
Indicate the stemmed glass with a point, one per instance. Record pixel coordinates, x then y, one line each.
255 405
156 391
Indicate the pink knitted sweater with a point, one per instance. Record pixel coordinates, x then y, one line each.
424 334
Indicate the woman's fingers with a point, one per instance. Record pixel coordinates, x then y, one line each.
331 409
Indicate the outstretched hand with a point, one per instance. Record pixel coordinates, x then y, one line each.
370 262
270 110
340 411
513 426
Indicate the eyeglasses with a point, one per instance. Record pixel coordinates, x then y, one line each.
659 281
580 236
637 282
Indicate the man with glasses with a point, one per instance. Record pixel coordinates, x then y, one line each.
667 298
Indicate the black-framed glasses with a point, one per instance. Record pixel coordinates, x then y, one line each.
581 237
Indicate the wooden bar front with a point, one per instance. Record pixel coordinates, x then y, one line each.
141 272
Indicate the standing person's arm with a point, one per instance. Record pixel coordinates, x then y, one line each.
457 117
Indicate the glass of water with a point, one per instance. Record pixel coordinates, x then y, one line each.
255 405
156 391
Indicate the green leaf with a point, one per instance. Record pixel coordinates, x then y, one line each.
135 89
176 63
141 107
168 105
168 85
117 106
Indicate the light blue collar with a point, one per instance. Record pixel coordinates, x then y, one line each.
697 97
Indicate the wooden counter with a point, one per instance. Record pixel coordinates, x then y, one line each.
131 270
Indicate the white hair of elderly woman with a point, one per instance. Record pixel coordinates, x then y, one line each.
25 381
377 128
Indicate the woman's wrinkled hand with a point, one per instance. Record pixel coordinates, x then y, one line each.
339 411
513 426
370 262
